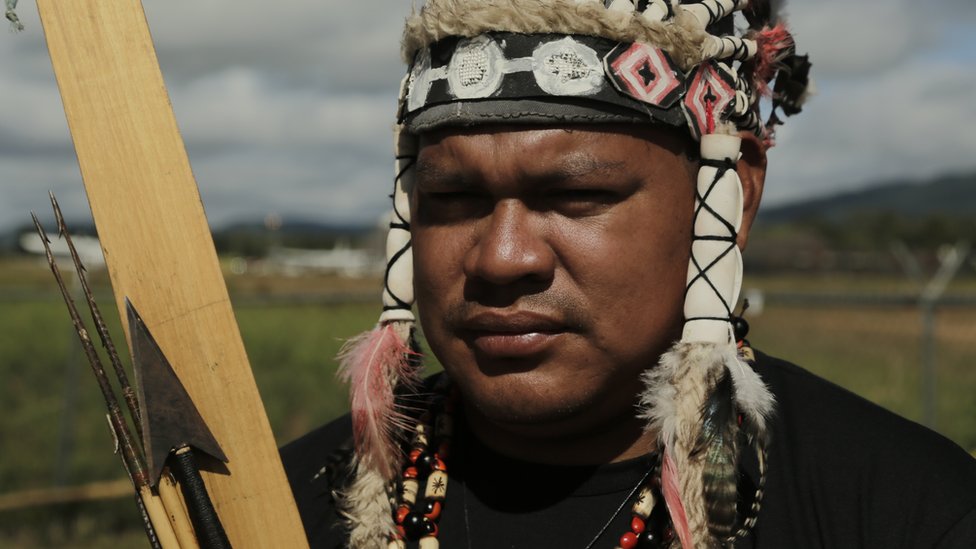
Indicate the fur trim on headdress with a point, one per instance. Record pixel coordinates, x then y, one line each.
365 505
682 37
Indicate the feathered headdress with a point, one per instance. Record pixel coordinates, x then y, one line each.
681 64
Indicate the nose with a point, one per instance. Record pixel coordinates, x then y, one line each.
511 246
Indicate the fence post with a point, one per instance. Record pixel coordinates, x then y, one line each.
949 264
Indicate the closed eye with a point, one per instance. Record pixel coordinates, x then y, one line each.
580 202
452 206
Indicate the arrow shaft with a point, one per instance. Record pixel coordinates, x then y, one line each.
210 532
128 394
133 460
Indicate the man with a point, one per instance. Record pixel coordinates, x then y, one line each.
575 182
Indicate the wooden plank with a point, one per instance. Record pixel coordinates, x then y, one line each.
159 251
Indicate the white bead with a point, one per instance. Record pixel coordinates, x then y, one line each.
410 488
621 5
707 299
420 435
644 504
429 542
656 11
436 485
396 544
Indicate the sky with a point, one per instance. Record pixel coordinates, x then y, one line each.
287 107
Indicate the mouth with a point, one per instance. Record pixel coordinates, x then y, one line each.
512 335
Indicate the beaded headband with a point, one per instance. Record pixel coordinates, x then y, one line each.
475 62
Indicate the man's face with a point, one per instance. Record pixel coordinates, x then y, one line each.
550 266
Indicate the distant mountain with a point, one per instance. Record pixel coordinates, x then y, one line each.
948 196
298 226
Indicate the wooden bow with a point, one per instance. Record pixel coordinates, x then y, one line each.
159 250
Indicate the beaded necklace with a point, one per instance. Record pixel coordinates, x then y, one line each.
417 515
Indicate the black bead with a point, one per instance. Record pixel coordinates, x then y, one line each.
429 507
415 526
659 518
649 539
740 327
425 463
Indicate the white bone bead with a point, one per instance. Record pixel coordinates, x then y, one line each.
410 488
396 544
429 542
621 5
721 8
436 485
644 503
656 11
729 47
726 273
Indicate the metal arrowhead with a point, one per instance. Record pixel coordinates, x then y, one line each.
169 418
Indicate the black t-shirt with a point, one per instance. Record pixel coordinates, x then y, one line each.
842 473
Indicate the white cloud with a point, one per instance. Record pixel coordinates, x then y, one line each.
239 107
853 39
912 122
287 106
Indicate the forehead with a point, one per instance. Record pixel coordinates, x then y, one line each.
547 149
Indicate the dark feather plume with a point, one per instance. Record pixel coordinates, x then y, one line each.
717 444
760 13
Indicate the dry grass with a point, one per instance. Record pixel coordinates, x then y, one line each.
292 335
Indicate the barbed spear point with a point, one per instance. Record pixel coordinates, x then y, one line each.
170 420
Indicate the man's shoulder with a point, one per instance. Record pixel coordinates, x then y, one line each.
309 458
826 416
316 466
310 451
845 467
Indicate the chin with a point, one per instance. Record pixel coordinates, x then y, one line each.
529 402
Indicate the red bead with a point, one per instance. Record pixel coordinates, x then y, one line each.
438 464
401 513
410 472
434 512
636 525
414 454
628 541
401 532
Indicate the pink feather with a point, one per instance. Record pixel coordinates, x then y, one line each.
773 45
373 363
672 496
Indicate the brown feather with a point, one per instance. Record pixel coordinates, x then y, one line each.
717 445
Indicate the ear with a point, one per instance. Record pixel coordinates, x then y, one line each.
752 173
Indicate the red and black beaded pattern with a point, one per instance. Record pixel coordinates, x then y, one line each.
417 514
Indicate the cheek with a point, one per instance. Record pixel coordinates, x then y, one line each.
438 254
632 271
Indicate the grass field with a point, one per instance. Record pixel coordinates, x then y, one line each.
291 343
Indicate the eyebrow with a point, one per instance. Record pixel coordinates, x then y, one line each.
430 171
574 166
582 164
